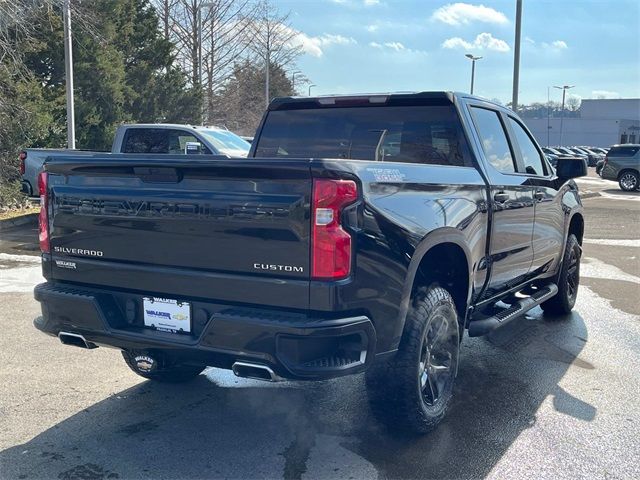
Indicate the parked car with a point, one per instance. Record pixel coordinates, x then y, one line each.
574 154
553 155
363 233
142 138
622 164
592 158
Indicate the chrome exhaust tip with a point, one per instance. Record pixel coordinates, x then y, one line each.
255 371
76 340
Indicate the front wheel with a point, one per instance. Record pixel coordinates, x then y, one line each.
568 280
629 181
414 389
158 368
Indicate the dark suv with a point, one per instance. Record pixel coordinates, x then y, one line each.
622 164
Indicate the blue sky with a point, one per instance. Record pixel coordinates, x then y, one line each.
394 45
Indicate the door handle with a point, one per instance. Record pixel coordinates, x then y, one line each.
501 197
538 195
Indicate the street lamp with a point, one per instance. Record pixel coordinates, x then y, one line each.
199 8
293 80
68 72
564 89
473 68
312 85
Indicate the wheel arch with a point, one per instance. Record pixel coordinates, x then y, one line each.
576 226
439 254
628 169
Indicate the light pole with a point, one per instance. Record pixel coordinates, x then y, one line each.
473 68
564 89
199 8
293 80
516 57
68 71
548 108
312 85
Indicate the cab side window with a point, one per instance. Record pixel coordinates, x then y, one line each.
530 155
146 140
494 139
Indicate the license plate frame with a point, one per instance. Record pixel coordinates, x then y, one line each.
167 315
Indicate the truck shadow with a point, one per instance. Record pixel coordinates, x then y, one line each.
619 191
220 426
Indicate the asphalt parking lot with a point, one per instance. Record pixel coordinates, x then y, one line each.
540 398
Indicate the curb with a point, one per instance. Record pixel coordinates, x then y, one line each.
31 218
589 194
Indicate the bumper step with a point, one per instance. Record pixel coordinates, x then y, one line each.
484 326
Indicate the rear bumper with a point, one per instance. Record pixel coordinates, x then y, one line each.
294 345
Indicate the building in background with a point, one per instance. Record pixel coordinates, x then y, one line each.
602 123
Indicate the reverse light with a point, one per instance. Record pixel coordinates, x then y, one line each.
331 244
43 218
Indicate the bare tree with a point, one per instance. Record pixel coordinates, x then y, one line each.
225 40
210 36
273 40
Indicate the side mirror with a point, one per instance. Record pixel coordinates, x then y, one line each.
567 168
192 148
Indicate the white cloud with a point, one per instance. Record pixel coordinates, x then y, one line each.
397 46
481 42
555 45
372 28
370 3
314 45
604 94
457 42
560 44
465 13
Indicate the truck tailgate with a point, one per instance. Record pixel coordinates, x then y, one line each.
231 230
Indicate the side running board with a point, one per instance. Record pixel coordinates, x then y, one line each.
481 327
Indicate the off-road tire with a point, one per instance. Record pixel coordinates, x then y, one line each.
394 388
568 280
164 371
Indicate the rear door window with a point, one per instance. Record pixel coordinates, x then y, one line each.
494 139
158 140
623 151
146 140
414 134
530 155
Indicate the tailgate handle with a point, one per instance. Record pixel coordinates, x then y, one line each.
158 174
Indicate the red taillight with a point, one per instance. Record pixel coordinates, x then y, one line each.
43 219
22 157
331 245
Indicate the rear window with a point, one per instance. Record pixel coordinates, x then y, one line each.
629 151
421 134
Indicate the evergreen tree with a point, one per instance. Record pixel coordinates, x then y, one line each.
242 98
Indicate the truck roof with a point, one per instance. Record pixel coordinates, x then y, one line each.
170 125
398 98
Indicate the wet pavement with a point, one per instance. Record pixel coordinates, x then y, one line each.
541 398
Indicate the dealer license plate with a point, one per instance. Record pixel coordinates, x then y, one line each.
167 315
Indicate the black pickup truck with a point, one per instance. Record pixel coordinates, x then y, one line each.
362 233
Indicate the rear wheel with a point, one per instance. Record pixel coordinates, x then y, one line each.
157 367
629 181
568 280
414 389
